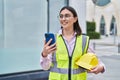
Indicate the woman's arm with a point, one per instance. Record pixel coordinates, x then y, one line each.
46 55
45 62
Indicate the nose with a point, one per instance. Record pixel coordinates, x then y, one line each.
63 18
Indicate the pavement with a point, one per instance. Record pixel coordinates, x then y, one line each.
108 50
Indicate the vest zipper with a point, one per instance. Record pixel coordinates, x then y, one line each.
69 71
70 58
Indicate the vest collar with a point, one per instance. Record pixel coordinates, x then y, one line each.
60 33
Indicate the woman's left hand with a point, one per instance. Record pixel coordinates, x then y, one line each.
97 69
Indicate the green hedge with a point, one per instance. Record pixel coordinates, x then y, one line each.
94 35
91 27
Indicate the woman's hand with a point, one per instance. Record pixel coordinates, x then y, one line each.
97 69
47 49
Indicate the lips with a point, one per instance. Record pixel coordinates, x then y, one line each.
64 23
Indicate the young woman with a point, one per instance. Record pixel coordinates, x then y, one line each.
70 44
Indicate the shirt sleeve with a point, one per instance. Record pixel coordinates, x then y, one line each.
91 48
102 64
45 62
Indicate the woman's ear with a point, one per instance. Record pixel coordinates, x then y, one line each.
75 19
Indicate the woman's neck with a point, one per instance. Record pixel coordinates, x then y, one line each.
68 34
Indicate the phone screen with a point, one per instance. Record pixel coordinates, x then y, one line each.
48 36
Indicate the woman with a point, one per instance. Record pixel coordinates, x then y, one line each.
60 57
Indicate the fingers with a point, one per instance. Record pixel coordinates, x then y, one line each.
44 41
52 50
49 49
94 70
48 43
53 45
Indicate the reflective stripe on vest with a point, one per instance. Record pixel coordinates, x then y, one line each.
73 71
65 71
85 41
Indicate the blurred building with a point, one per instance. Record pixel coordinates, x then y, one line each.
23 24
106 14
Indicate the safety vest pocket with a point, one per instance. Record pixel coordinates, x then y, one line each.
62 61
62 64
54 76
82 76
58 76
62 56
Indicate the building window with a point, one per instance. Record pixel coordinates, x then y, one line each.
102 26
101 2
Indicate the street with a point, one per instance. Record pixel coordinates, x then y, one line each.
110 57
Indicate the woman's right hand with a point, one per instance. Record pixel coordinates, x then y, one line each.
47 49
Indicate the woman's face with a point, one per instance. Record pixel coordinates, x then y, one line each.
67 19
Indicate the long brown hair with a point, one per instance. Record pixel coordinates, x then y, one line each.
77 28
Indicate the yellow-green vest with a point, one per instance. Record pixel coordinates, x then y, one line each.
63 66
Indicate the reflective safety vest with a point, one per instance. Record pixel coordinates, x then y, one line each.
63 66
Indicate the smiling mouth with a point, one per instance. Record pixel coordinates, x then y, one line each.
64 23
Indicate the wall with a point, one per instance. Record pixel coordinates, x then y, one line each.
80 7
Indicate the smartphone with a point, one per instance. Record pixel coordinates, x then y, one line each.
49 36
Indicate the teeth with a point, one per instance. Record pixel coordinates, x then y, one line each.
64 23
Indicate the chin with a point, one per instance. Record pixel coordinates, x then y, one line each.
65 26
